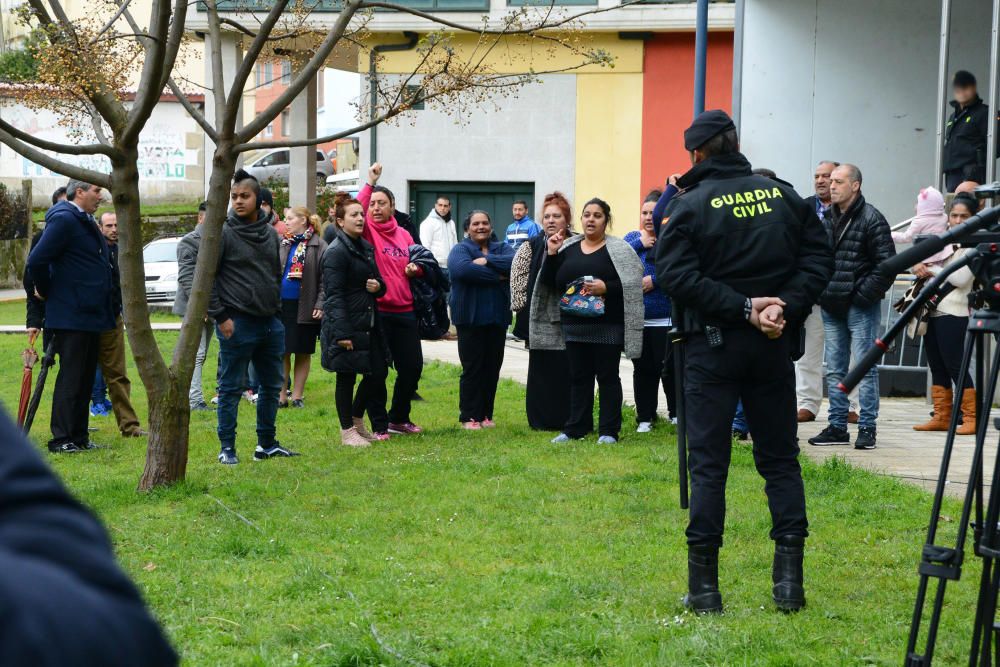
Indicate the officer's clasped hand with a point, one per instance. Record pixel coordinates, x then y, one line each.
768 315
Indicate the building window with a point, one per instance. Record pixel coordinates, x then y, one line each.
258 75
546 3
269 130
413 97
284 123
268 73
286 73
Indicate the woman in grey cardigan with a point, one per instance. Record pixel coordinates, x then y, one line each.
610 269
547 391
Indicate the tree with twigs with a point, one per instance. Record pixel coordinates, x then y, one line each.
81 66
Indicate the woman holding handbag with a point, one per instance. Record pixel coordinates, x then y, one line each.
480 308
351 334
537 308
946 327
602 314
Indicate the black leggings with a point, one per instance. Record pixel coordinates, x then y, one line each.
369 397
402 336
588 361
480 349
944 346
654 367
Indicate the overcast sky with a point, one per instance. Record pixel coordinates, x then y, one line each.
341 90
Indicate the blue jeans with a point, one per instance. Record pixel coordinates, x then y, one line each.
855 333
740 419
99 393
262 341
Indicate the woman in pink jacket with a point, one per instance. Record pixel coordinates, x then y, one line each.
399 323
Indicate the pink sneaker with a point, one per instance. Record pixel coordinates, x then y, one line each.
488 423
380 436
409 428
471 425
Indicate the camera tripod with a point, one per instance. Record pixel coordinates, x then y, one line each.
940 564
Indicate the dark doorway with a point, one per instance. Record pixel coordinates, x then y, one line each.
494 198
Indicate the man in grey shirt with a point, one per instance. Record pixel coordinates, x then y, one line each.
187 258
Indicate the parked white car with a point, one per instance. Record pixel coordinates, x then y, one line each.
159 258
347 181
273 165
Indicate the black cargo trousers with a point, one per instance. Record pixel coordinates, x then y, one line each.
760 370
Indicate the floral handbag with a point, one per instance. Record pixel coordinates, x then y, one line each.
573 302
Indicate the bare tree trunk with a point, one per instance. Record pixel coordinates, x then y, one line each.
167 450
166 455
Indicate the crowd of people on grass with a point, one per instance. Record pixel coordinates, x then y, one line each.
369 290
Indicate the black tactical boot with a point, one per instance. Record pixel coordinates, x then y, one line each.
703 580
788 592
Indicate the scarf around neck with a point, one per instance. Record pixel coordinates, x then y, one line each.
299 256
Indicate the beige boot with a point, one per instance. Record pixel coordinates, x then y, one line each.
968 426
941 397
359 425
351 438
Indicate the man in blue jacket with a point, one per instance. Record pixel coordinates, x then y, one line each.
71 269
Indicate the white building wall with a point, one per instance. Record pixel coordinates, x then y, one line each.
530 138
170 157
852 81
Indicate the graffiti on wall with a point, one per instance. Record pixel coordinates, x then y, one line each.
162 152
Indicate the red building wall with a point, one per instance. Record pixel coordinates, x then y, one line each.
668 98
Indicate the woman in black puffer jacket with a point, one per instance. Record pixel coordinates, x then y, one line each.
352 342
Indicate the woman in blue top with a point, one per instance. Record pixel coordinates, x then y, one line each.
480 308
301 297
654 366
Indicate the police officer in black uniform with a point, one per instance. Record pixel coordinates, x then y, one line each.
745 258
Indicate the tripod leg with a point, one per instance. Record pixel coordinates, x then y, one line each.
944 563
987 544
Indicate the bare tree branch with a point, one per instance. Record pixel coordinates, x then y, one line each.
239 27
66 149
104 100
250 60
215 55
111 22
297 143
160 52
53 164
193 111
530 30
305 75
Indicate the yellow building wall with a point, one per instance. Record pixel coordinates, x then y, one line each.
516 55
609 145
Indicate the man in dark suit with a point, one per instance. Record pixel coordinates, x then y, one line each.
71 269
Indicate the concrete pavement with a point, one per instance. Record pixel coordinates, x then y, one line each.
902 452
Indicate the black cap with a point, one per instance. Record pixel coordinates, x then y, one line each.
964 79
707 125
266 197
203 206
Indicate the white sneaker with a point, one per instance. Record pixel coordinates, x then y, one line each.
673 420
644 427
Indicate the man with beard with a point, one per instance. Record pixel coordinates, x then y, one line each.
438 232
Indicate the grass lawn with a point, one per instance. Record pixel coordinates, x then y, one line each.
491 548
12 312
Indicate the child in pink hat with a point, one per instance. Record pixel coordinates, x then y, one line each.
929 220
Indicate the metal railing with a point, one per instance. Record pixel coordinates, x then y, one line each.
906 352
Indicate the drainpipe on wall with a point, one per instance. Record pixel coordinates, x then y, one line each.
700 56
410 43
